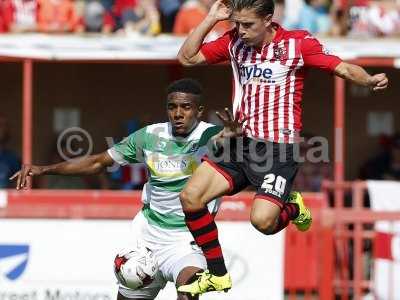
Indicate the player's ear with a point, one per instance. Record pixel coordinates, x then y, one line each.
268 20
200 111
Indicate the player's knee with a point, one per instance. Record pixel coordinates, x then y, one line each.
190 199
264 224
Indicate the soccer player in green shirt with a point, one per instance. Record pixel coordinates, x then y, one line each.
171 152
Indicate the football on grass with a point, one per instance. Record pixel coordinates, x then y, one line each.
135 268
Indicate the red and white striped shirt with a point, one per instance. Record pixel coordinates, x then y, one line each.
268 83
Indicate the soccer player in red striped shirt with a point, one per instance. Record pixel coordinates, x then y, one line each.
269 65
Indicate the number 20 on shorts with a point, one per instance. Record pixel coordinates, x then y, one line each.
274 183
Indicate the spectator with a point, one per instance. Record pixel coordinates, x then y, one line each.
4 15
133 16
94 16
107 4
313 17
58 16
169 9
376 18
18 15
192 13
142 19
113 13
109 19
9 163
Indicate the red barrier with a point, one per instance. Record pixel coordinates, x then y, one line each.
100 204
309 256
353 229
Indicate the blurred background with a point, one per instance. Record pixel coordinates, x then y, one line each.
77 76
151 17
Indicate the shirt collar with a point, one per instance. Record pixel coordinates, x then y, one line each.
183 138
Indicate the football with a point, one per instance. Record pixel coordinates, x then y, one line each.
135 268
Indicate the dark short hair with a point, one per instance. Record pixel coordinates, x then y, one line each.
186 85
262 8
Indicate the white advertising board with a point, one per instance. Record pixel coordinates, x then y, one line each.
73 259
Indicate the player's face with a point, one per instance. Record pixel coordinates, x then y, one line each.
251 27
183 112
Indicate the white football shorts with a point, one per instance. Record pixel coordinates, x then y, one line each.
174 250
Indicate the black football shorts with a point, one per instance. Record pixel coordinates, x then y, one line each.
270 167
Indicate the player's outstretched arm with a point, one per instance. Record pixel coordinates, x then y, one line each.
189 54
358 75
89 165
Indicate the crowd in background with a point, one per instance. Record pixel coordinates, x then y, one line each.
152 17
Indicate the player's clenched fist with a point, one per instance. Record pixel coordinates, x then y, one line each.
220 10
23 174
378 82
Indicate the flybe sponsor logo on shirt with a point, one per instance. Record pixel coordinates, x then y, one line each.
256 73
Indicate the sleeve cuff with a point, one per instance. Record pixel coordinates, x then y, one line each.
205 55
335 63
117 157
